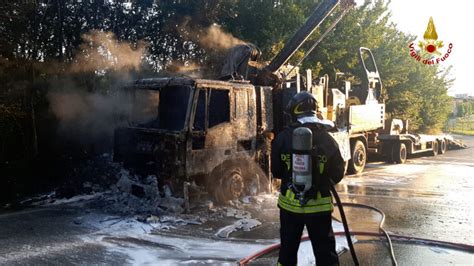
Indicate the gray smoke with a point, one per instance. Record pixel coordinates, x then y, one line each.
90 117
212 37
101 51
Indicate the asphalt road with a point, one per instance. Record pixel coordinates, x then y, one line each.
428 197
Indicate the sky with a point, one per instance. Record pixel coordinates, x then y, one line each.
453 21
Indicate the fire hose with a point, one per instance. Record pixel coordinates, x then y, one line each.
416 240
381 223
346 227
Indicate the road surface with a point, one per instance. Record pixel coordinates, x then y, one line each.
428 197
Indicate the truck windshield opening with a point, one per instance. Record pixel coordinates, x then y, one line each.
161 109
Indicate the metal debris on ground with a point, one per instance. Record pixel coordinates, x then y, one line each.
246 224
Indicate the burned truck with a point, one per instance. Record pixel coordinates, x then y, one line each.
213 134
209 132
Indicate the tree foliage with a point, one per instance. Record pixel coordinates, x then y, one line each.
465 108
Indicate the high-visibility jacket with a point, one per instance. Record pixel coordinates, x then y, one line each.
330 166
318 204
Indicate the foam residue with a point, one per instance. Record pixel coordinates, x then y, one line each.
120 234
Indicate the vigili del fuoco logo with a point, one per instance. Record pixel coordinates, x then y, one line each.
430 51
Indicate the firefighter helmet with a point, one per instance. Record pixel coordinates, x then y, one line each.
301 105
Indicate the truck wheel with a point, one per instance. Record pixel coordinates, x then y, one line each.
359 158
442 146
434 151
399 152
229 185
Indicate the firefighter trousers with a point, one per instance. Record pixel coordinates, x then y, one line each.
320 233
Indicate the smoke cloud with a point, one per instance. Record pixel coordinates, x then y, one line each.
212 37
188 69
101 51
89 117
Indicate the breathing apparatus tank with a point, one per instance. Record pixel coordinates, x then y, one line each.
302 178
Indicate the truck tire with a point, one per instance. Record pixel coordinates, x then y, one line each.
399 152
359 158
434 151
226 185
443 147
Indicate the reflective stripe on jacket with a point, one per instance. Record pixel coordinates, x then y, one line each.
290 203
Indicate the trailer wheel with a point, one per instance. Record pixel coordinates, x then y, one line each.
229 185
434 151
443 147
399 152
359 158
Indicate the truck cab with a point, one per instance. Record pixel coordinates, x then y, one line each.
197 131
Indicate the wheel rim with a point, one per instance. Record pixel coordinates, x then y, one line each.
234 185
403 154
359 158
443 146
435 147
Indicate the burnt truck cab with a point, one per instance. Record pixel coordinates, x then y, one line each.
196 130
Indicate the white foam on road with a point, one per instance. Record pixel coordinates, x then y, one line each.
158 248
171 250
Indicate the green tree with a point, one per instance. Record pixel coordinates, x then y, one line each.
412 90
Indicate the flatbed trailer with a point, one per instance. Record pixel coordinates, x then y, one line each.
396 148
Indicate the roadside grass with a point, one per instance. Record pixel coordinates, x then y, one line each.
463 126
463 132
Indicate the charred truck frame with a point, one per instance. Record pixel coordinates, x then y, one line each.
216 134
215 139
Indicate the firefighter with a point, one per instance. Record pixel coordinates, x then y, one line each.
314 211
